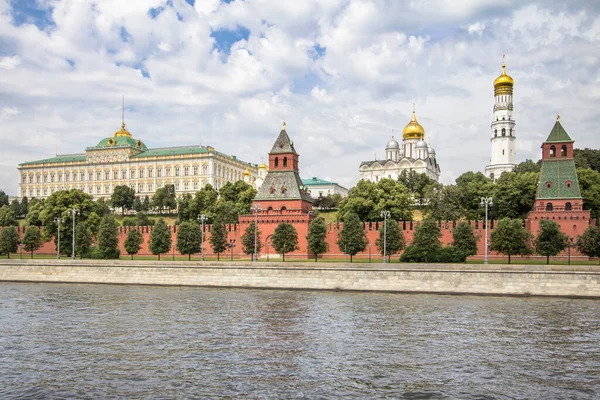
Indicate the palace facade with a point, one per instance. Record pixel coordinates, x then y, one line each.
122 160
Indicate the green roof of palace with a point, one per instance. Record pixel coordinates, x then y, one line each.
120 141
557 173
316 181
58 159
558 134
173 151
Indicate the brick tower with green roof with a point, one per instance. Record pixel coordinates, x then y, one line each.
558 197
282 196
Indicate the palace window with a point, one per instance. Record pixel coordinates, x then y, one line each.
60 177
150 173
186 186
38 178
90 176
186 171
503 131
195 170
141 173
90 190
204 169
106 189
176 171
549 207
568 206
98 175
24 180
30 178
195 185
116 174
107 175
30 192
68 177
276 162
159 172
167 172
82 177
563 151
132 173
124 174
176 185
149 187
98 189
141 187
45 192
285 161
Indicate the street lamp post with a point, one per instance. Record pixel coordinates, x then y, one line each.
202 218
73 212
268 244
487 202
58 220
369 253
256 208
385 214
231 246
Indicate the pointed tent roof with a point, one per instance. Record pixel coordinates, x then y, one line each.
558 133
283 144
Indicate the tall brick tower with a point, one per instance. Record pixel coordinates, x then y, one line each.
282 197
558 197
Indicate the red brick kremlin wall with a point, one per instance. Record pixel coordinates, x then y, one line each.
235 231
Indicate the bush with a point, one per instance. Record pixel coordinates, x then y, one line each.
412 254
448 254
130 221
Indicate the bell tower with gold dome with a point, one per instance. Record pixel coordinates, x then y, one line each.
503 133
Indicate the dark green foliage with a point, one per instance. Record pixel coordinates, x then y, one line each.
93 223
511 238
367 200
108 240
146 204
514 195
444 202
218 238
102 207
589 183
189 238
448 254
160 238
471 187
129 221
15 206
527 166
248 240
394 242
122 197
142 219
352 239
32 239
24 207
3 199
589 243
225 211
550 240
464 239
426 239
137 204
7 216
329 202
83 239
9 240
587 158
164 198
417 184
285 239
316 238
133 242
184 211
33 216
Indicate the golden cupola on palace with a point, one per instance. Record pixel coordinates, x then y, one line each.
413 130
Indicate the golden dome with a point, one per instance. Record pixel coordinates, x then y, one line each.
122 131
262 166
413 130
247 172
504 83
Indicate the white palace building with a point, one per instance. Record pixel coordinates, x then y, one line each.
413 154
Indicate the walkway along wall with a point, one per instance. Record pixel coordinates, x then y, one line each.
266 229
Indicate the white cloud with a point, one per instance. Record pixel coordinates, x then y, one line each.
378 57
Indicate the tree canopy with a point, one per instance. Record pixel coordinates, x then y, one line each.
248 239
511 238
464 239
160 238
284 239
367 199
32 239
7 216
550 240
133 242
122 197
589 242
9 240
189 238
218 238
316 238
352 239
108 241
394 240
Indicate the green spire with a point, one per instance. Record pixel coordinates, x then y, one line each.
558 133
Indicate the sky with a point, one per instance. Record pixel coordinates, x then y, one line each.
343 75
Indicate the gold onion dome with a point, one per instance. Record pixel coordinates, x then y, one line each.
123 131
262 166
504 83
413 130
247 172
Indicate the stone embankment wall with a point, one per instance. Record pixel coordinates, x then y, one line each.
575 281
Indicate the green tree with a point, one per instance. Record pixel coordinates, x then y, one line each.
24 206
142 219
417 184
184 209
444 202
352 239
133 242
244 201
9 240
589 243
3 199
33 216
218 238
160 238
471 187
83 239
511 238
108 240
122 197
93 223
146 204
102 207
285 239
164 198
317 237
587 158
137 204
7 217
527 166
514 195
589 183
224 211
32 239
189 238
15 206
394 242
367 200
248 240
425 244
361 200
203 200
550 240
464 239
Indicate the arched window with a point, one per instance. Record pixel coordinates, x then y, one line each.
285 161
568 206
553 151
284 208
495 132
492 176
549 207
569 183
510 132
548 184
563 151
503 119
276 162
503 131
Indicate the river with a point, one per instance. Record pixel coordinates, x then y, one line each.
62 341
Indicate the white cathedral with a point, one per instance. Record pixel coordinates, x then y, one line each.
413 154
503 134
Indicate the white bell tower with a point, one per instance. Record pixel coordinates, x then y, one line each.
503 134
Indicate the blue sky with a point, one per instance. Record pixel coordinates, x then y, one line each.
343 74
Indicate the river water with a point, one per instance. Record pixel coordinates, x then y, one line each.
101 341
